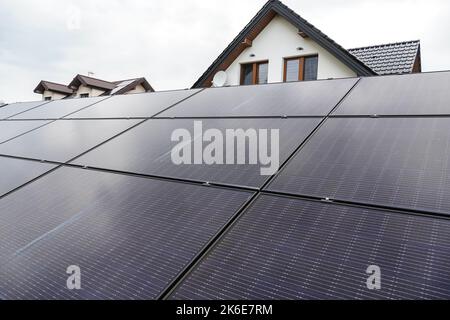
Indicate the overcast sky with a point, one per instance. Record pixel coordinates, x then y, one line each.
172 42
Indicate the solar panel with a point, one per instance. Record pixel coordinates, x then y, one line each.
401 162
11 129
133 220
15 172
284 248
134 105
425 93
62 140
292 99
129 236
147 149
58 108
15 108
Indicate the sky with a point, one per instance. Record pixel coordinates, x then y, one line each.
172 42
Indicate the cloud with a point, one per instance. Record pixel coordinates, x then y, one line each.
172 42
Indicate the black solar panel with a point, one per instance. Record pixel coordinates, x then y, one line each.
292 99
147 149
15 108
283 248
134 105
133 223
58 108
11 129
425 93
15 172
62 140
130 236
403 162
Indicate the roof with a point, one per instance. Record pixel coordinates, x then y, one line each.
123 86
52 86
363 180
110 87
262 18
91 82
391 58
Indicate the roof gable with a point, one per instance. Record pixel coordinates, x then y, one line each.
259 22
110 88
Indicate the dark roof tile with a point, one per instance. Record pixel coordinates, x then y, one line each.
392 58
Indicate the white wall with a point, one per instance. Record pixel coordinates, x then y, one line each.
91 91
280 40
53 95
139 89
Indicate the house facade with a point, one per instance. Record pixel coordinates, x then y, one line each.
280 46
84 87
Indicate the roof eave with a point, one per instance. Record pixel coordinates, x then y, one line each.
42 87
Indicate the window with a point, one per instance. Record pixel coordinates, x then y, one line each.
47 98
300 68
84 95
254 73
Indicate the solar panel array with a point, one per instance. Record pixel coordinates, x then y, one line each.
364 180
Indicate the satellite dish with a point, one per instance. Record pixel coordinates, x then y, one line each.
220 79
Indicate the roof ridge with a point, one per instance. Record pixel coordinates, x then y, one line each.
138 78
61 84
82 75
384 45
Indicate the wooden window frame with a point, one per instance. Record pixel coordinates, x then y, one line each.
301 66
255 72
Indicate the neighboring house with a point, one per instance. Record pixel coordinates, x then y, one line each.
278 45
52 90
84 87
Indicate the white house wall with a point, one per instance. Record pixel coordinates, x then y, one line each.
139 89
53 95
280 40
91 91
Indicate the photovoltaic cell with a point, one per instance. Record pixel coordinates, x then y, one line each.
58 108
147 149
285 248
401 162
415 94
15 108
134 105
291 99
62 140
129 236
15 172
11 129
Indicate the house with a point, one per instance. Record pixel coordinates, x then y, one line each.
83 87
280 46
52 90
